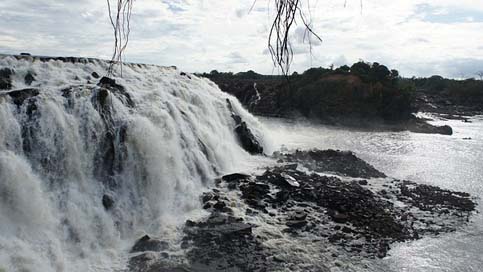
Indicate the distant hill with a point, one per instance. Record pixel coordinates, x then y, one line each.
363 91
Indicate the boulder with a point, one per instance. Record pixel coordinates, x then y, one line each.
29 78
95 75
247 139
245 136
235 177
117 89
147 243
19 96
5 78
107 202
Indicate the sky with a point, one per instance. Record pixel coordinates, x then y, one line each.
416 37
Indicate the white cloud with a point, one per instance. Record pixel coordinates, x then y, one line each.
418 37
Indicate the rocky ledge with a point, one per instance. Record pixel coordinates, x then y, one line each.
293 217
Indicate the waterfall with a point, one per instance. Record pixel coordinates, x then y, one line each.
86 165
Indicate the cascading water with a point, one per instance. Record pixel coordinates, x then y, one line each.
86 167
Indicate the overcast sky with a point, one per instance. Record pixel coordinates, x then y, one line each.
417 37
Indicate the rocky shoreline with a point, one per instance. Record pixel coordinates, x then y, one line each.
264 97
293 218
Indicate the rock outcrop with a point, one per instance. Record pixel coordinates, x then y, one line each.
325 217
247 140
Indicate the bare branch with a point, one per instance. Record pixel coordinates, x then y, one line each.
279 46
121 25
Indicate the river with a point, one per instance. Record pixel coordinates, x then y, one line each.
452 162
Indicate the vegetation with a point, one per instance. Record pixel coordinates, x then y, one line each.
466 92
364 90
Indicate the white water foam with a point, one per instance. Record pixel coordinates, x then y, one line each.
179 137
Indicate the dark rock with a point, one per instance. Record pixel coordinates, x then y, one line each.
25 54
362 182
5 78
19 96
298 215
339 217
339 162
184 74
420 126
445 130
107 202
118 90
235 177
296 224
29 78
220 205
247 140
95 75
254 191
153 262
427 197
207 197
351 217
107 81
147 243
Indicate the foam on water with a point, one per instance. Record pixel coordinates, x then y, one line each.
179 136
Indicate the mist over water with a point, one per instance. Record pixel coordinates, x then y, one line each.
167 149
450 162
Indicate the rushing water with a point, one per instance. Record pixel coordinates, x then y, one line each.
168 148
57 161
447 161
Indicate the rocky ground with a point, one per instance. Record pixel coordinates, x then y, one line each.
442 106
292 218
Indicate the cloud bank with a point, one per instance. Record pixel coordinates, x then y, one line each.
417 37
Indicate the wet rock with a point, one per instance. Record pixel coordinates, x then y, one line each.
355 219
254 191
420 126
219 205
445 130
225 243
5 78
208 196
184 74
29 78
107 202
432 198
154 262
95 75
339 217
19 96
118 90
247 140
146 243
296 224
298 215
235 177
339 162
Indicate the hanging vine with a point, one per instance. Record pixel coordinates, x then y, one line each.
120 16
288 13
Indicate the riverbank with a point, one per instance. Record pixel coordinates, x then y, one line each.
258 222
